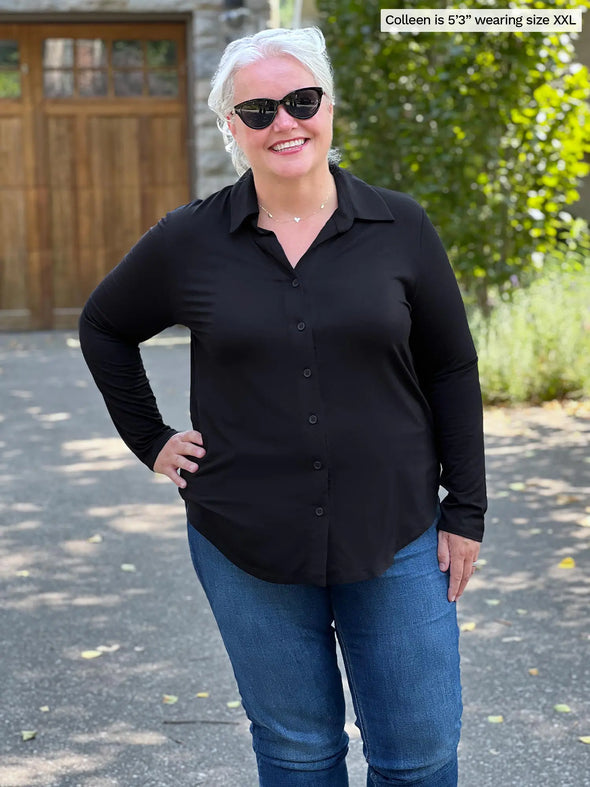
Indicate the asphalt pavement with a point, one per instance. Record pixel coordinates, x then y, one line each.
107 640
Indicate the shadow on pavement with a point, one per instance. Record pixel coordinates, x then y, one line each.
93 558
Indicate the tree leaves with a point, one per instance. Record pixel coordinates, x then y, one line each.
485 131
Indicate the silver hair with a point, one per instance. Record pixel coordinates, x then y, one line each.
306 44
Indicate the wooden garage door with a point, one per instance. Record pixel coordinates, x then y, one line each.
93 150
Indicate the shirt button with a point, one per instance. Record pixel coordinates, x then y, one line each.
295 283
307 372
301 326
313 419
319 511
317 465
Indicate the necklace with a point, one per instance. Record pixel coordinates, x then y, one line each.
296 219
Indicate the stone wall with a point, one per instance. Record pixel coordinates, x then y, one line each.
212 24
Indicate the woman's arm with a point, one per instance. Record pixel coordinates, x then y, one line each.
129 306
446 363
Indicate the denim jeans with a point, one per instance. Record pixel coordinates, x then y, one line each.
399 640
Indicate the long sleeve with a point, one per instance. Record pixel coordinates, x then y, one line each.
446 363
129 306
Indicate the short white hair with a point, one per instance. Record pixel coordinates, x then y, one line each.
306 44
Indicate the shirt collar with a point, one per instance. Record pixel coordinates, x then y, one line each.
356 200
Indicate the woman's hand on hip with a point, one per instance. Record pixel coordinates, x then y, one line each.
459 554
175 454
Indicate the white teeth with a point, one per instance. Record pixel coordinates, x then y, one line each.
293 143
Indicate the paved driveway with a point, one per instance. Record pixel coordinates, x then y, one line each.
93 558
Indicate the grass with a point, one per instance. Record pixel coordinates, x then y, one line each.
536 347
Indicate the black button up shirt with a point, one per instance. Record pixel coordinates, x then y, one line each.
333 397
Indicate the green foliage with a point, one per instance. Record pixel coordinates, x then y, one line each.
536 346
487 130
286 8
9 84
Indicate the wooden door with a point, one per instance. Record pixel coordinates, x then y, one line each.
93 150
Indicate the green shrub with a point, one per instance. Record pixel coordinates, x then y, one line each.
489 132
536 347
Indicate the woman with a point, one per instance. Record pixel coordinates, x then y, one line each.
333 386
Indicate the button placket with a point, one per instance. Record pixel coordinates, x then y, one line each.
305 358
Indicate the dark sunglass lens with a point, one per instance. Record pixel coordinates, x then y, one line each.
257 114
303 104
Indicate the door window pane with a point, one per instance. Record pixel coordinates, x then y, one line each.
96 67
58 53
161 53
128 83
127 54
10 84
58 84
92 83
91 53
163 83
8 54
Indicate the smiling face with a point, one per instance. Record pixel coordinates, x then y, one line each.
288 148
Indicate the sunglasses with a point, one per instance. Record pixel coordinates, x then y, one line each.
259 113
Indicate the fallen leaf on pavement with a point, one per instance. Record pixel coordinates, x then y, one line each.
495 719
202 694
128 567
565 499
91 654
169 699
585 739
517 486
567 562
44 708
534 672
108 648
28 735
469 626
96 539
492 602
562 708
233 704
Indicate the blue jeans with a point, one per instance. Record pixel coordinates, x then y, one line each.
399 640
